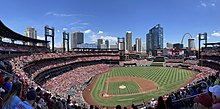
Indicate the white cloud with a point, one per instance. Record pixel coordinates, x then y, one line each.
217 34
88 31
203 4
74 22
110 38
100 32
213 4
206 4
41 37
93 36
58 14
65 29
84 23
77 25
77 28
58 31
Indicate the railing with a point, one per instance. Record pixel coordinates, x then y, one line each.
7 73
201 82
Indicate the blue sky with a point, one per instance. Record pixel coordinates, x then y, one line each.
110 19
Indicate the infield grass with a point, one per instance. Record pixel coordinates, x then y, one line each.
131 87
167 79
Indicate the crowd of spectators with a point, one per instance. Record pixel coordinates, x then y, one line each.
175 60
137 62
77 78
19 63
41 98
202 93
211 51
18 91
4 46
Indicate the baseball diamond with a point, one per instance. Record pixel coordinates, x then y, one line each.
137 84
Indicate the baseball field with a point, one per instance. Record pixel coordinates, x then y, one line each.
127 85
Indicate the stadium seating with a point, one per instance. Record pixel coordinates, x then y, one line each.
54 91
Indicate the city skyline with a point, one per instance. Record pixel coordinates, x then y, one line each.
108 20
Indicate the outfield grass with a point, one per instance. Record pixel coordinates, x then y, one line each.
167 79
131 87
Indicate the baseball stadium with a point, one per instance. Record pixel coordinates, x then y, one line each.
104 78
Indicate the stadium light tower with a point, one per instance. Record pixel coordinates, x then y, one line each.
49 30
202 38
65 39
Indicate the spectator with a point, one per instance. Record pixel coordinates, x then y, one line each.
2 74
215 96
160 104
118 107
169 103
12 99
91 107
203 101
31 96
58 105
7 83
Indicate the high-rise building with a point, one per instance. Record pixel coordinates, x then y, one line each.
169 45
107 44
129 41
100 42
154 39
30 32
134 47
121 44
138 44
191 43
77 38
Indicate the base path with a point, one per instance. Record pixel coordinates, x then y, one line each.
144 84
87 93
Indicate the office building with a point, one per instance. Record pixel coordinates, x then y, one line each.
107 44
191 43
77 38
121 44
154 40
30 32
99 42
87 45
113 46
138 44
169 45
178 46
129 41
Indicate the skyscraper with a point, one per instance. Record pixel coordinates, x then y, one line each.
169 45
100 42
107 44
129 41
191 43
121 44
30 32
154 39
77 38
138 44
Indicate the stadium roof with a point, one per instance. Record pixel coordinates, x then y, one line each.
213 43
8 33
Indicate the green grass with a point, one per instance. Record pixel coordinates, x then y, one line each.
168 79
131 87
157 64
